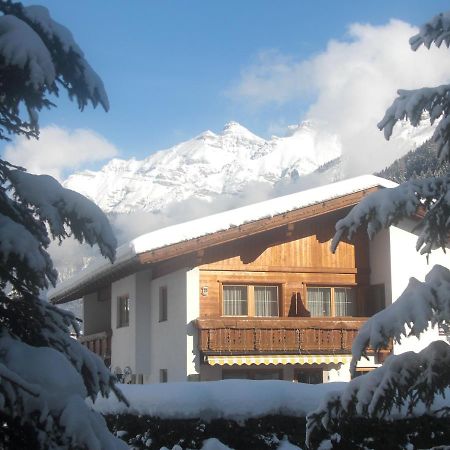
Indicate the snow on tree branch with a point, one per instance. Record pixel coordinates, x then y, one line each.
37 57
19 47
56 391
61 207
404 380
410 315
45 374
411 104
437 30
434 101
388 206
18 248
40 17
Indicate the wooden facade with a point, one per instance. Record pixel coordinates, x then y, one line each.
291 258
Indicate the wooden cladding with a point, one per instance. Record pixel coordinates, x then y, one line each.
227 336
306 246
98 343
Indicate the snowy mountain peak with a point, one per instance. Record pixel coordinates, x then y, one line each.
236 129
207 166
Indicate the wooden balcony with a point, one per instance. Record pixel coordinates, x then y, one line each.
99 343
228 335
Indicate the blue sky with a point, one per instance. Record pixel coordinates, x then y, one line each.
175 68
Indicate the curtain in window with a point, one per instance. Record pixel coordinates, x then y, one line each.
235 301
319 301
266 301
344 301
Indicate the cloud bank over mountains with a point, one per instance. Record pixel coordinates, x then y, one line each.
349 86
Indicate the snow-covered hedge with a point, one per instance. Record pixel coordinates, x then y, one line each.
256 415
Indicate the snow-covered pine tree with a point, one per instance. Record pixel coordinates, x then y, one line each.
45 375
410 378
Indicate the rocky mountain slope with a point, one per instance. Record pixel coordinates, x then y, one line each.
206 166
224 164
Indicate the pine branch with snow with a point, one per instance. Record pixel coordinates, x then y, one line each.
410 379
45 374
434 101
38 57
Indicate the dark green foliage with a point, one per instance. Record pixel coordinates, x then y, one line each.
265 432
419 163
256 434
413 433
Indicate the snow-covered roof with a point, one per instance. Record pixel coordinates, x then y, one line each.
218 222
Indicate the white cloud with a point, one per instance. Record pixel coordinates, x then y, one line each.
351 83
59 150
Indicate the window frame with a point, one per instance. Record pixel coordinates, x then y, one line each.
251 302
163 376
123 310
163 304
332 298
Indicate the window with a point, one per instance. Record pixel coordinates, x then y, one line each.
163 376
252 374
329 301
123 311
309 376
235 301
266 301
163 303
248 300
376 299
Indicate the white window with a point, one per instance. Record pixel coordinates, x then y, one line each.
250 300
235 301
266 301
331 301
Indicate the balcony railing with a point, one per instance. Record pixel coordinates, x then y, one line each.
229 335
99 343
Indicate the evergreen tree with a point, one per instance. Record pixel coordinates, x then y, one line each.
410 378
45 375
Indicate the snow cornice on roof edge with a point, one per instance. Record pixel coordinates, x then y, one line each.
127 256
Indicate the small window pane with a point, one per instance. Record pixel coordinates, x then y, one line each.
344 301
319 301
123 311
235 301
163 303
266 301
309 376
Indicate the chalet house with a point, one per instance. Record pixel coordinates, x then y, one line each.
250 293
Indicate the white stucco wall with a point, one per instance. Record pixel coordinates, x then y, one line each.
123 338
380 263
173 342
96 314
404 262
142 322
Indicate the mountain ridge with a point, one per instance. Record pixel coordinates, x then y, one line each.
207 165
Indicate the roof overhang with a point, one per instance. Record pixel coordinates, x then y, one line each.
130 260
